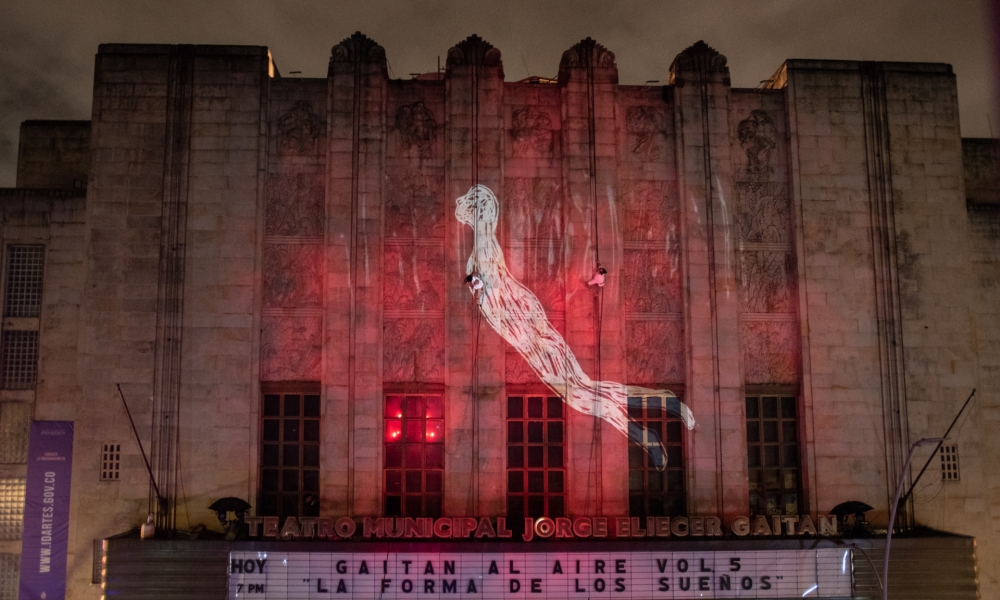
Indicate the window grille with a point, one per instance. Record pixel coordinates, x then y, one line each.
111 458
414 455
23 297
289 483
949 462
15 421
773 455
536 474
10 572
97 562
11 507
19 367
652 492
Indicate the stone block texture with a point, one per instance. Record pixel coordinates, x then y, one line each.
217 232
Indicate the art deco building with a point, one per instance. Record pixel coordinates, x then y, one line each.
275 271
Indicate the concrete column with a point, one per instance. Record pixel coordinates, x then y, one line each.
352 334
475 475
717 446
597 453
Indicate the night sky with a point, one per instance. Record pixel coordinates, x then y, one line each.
47 47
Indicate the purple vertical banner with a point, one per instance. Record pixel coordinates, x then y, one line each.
46 511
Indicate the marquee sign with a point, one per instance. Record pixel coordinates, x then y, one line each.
818 573
295 528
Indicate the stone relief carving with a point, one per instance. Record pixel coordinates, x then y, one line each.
766 281
299 130
541 269
291 348
474 50
587 53
770 351
535 208
358 48
294 205
646 129
413 350
654 351
414 208
756 136
516 369
293 276
413 277
417 128
762 212
649 214
651 280
531 130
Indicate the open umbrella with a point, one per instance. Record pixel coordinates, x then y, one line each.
851 507
230 504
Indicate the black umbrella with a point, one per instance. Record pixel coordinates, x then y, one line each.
230 504
222 506
851 507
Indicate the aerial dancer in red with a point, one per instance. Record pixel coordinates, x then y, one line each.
515 313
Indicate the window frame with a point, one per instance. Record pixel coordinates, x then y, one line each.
28 290
757 453
18 359
273 495
951 469
413 418
111 459
671 431
553 502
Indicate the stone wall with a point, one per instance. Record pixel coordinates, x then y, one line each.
244 230
172 303
53 154
53 219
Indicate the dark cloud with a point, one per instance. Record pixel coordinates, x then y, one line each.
47 48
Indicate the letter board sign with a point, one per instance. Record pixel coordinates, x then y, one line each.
819 573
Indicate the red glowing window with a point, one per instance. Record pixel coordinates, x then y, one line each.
414 455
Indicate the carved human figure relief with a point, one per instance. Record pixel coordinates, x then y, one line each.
770 351
292 275
417 127
413 351
294 205
531 130
756 135
646 131
515 313
291 348
298 130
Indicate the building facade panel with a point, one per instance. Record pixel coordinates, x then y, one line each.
457 296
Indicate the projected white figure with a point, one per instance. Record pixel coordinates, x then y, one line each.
515 313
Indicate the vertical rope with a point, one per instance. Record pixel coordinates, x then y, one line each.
596 464
353 276
476 317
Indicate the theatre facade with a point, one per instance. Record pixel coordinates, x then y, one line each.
458 336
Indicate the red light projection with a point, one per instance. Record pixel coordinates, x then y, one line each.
414 455
515 313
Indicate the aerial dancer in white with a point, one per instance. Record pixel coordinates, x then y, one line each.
515 313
